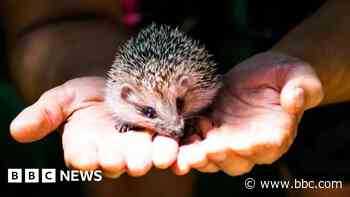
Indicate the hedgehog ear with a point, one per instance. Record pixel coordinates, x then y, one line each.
181 85
127 93
185 81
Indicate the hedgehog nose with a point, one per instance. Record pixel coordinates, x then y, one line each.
177 127
178 132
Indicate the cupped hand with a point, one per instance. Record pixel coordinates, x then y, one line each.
257 112
90 140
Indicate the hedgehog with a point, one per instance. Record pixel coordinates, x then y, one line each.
159 80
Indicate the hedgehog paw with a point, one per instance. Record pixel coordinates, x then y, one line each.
122 128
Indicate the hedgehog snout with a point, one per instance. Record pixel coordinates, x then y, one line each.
172 129
178 132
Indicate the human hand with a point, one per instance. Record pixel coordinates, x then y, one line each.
90 140
256 114
266 103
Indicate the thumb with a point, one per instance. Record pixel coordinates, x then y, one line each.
44 116
53 108
302 89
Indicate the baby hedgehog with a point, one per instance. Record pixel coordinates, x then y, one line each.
159 79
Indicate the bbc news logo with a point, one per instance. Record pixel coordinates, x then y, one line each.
51 175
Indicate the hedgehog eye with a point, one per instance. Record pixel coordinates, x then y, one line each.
179 104
149 112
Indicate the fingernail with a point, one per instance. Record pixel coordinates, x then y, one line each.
299 99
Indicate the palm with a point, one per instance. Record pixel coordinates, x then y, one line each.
253 114
91 121
256 115
83 132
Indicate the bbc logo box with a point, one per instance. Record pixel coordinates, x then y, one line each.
31 175
14 175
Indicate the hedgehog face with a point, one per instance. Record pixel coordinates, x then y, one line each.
159 111
163 109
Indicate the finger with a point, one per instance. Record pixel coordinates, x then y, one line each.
53 107
80 150
137 148
234 165
261 149
110 155
190 155
215 145
36 121
293 99
244 144
164 151
209 168
196 155
181 167
81 156
302 90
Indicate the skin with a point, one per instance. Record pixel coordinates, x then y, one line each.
266 94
